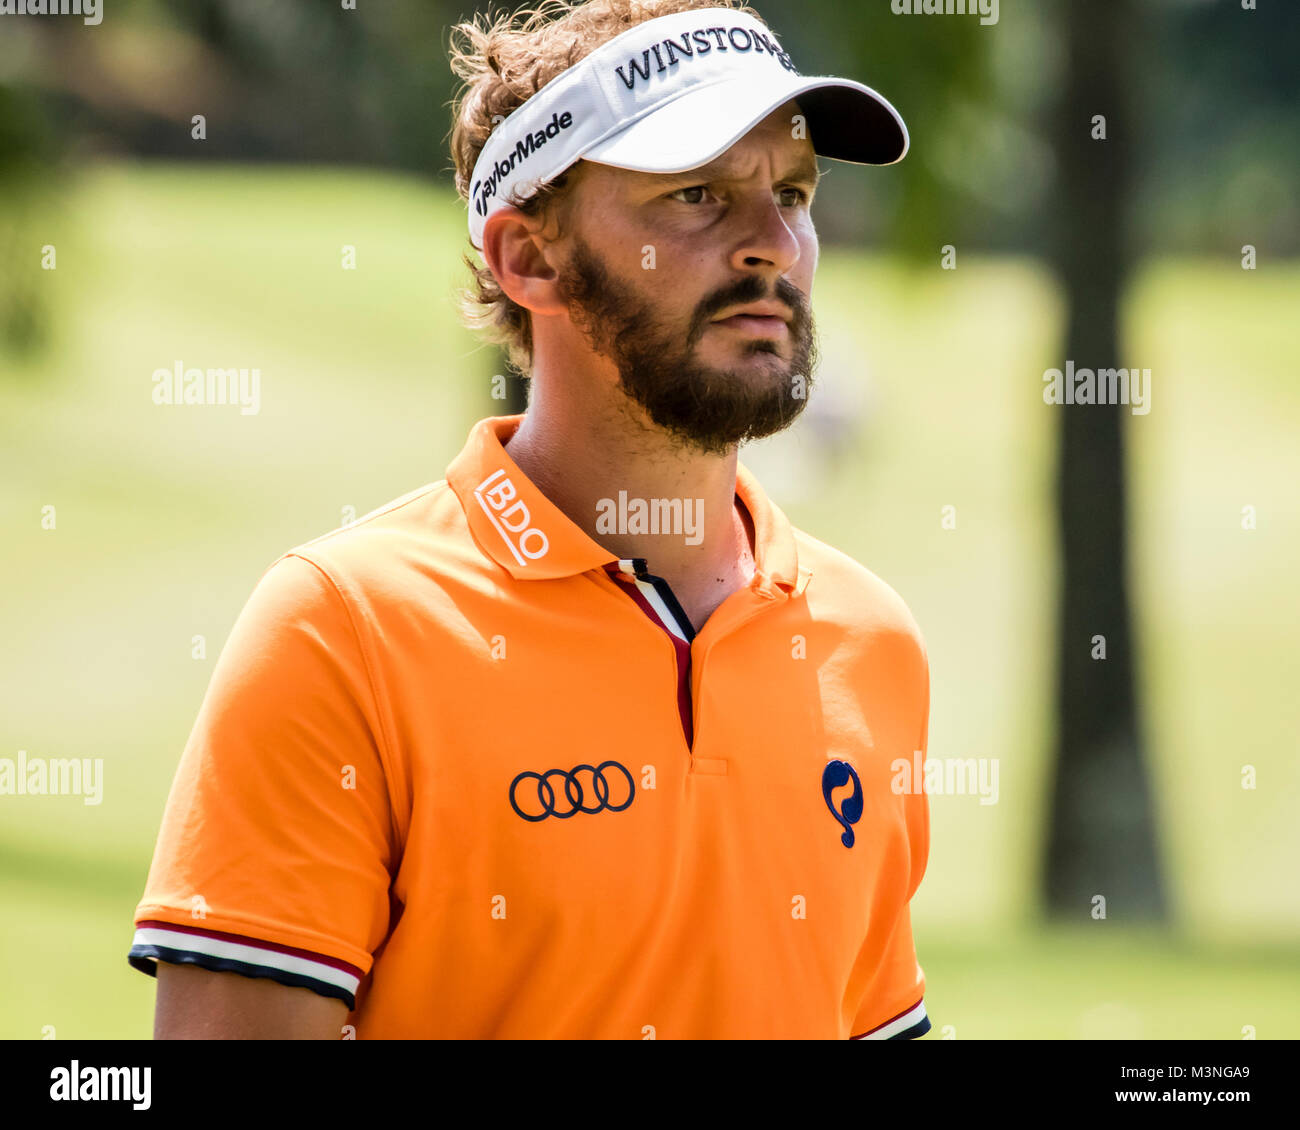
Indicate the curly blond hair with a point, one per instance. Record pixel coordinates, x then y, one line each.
504 60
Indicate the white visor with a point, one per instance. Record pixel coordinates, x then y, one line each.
672 94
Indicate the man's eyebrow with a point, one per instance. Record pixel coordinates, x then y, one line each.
804 171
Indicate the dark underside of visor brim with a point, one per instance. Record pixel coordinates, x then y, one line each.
847 125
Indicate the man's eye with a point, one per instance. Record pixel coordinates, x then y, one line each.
692 188
800 196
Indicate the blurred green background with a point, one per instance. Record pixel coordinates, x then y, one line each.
166 517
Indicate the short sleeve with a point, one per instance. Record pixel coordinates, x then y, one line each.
277 843
894 1003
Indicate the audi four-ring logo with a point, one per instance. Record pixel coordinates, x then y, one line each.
575 796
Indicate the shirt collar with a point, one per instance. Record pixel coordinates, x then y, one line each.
520 529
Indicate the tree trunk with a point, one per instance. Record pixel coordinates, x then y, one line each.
1101 837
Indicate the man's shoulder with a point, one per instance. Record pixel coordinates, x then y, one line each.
420 532
845 589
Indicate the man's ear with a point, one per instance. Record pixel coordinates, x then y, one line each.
520 256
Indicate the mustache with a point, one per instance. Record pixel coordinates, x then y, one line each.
753 289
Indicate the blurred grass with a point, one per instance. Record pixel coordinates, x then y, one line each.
167 516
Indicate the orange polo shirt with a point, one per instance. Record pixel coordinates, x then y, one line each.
464 770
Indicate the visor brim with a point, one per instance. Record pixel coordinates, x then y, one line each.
846 121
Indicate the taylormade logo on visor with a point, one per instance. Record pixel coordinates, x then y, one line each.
655 59
525 148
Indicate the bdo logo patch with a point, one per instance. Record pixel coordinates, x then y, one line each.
509 513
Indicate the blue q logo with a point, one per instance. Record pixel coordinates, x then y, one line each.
835 774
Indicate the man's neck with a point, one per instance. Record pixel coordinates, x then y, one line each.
598 470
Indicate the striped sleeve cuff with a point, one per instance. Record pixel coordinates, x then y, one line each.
907 1025
233 953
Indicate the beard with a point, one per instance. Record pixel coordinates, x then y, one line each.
706 409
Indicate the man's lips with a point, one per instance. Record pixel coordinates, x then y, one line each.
765 325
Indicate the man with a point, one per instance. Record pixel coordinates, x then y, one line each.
585 740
